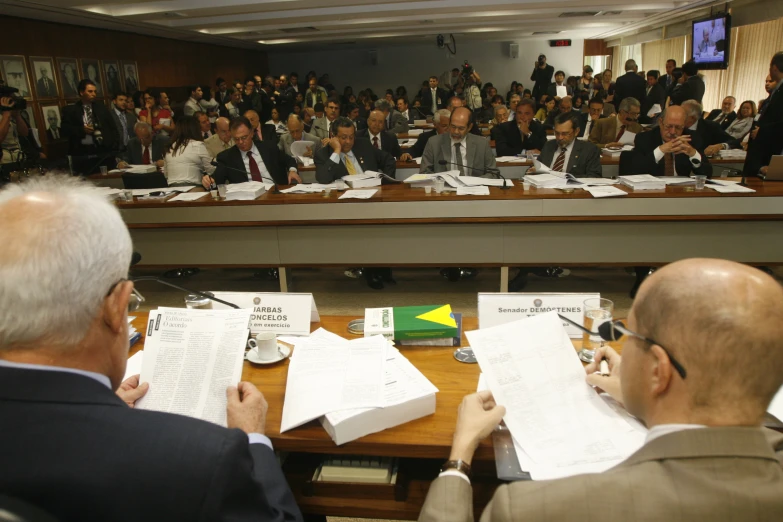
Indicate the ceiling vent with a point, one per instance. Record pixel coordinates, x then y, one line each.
299 30
174 14
578 14
546 32
609 13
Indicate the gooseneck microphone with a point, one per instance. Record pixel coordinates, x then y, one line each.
485 170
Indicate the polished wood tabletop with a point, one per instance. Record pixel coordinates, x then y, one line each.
429 437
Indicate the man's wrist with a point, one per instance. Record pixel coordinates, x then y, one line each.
462 451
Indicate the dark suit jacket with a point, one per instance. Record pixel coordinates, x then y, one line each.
68 443
629 85
370 158
657 95
426 100
692 89
130 120
711 133
551 90
231 167
133 154
643 159
43 92
510 142
726 121
418 148
72 127
769 140
584 161
389 142
253 102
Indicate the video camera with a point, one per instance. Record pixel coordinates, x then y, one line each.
19 103
541 60
467 71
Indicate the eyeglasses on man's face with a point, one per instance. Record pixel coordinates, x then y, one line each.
619 329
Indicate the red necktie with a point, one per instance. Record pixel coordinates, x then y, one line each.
145 158
255 173
375 142
620 134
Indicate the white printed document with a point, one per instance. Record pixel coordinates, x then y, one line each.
188 196
190 358
327 375
300 148
655 109
605 192
561 91
628 138
358 194
473 191
557 419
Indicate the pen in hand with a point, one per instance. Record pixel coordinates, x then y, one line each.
603 368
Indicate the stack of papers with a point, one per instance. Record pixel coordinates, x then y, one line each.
308 188
473 191
188 196
605 192
550 180
735 154
246 191
728 187
559 424
509 159
358 194
643 182
368 179
415 132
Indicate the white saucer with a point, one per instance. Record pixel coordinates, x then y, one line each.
283 352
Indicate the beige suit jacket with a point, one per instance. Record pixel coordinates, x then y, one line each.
711 474
605 130
215 145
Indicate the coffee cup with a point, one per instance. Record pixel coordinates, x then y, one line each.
264 345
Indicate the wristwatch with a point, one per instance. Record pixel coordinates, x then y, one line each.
458 465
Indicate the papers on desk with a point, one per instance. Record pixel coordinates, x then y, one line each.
473 191
408 143
415 132
191 357
596 182
189 196
473 181
642 182
676 180
733 154
546 181
560 425
327 375
605 192
247 191
731 188
308 188
508 159
166 190
136 169
655 109
358 194
365 180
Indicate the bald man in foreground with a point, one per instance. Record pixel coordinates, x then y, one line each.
701 361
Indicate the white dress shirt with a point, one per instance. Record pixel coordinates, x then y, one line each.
695 160
337 158
434 96
569 149
665 429
463 152
189 164
372 139
588 128
266 177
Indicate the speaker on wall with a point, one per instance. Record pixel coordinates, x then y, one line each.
513 50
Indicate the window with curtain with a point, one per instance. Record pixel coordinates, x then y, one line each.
655 54
624 53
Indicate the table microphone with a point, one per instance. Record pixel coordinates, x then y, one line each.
172 285
606 330
485 170
215 163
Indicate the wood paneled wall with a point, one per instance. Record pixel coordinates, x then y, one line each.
597 48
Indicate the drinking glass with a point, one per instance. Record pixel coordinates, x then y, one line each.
596 312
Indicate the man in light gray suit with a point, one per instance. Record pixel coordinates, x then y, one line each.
706 455
395 122
458 147
296 133
321 126
565 153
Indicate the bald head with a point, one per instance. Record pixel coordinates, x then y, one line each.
376 121
673 123
222 125
295 127
252 116
721 321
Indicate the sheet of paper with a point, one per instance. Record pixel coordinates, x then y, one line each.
191 357
605 192
729 189
508 159
473 191
189 196
676 180
300 148
356 177
358 194
473 181
134 364
655 109
327 375
418 161
419 178
597 182
558 419
776 406
415 132
561 91
628 138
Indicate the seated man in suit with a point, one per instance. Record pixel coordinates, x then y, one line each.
709 134
221 140
145 148
607 132
566 106
441 121
296 132
261 131
322 124
706 455
395 123
726 114
404 109
348 155
460 150
654 95
670 151
252 160
379 138
524 133
591 117
60 367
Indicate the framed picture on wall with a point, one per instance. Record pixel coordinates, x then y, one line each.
91 70
68 74
52 120
111 69
15 74
130 77
44 77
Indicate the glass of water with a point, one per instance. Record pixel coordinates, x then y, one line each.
222 191
104 170
596 312
439 185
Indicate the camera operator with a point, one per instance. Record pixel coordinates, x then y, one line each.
542 75
12 126
472 88
88 125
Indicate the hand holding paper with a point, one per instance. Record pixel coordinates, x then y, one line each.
477 416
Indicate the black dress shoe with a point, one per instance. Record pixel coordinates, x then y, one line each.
176 273
452 274
375 283
468 273
519 282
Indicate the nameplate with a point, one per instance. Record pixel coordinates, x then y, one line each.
495 309
288 314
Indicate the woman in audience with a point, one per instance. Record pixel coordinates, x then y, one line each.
156 108
401 92
579 102
347 93
607 86
136 102
527 94
585 83
279 126
390 97
548 106
372 95
187 160
741 125
512 90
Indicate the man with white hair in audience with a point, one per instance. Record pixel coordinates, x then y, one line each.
71 441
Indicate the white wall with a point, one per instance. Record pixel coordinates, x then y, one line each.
409 65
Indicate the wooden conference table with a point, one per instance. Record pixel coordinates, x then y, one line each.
403 226
422 445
